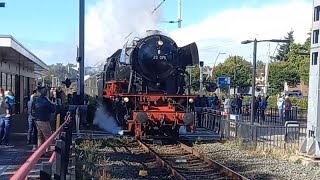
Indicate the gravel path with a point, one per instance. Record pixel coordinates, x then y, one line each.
113 159
257 167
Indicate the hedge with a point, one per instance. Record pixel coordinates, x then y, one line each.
301 103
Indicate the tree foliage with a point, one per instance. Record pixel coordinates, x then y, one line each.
293 66
260 65
285 48
281 72
60 71
237 68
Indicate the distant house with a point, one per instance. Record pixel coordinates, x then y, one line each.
301 87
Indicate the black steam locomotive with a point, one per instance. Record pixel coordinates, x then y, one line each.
145 86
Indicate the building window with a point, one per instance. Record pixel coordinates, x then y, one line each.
315 39
9 82
316 14
314 58
4 81
13 79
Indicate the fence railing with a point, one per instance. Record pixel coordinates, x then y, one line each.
287 134
269 116
63 140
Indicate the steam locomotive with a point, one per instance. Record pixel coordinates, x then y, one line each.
146 89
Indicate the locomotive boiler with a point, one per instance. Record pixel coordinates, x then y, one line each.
146 87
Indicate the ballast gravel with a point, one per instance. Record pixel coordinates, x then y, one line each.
258 167
116 160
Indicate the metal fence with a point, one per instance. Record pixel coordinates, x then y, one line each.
278 134
274 116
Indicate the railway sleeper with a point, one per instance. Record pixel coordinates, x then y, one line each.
198 165
214 176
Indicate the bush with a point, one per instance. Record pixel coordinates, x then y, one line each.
92 106
301 103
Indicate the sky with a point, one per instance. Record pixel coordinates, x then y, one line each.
50 28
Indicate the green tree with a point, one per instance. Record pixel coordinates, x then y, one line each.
299 57
285 48
60 71
237 68
195 76
260 65
281 72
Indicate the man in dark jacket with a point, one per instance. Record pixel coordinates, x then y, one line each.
43 109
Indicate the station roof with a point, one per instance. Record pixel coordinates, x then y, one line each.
12 50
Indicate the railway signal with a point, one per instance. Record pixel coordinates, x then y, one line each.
67 82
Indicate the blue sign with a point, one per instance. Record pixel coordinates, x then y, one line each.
223 81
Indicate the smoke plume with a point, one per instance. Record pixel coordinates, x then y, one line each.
105 121
109 22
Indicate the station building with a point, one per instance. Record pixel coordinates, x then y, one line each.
19 69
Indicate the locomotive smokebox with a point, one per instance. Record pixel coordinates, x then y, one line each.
155 57
158 57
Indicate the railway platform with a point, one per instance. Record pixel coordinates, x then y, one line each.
12 157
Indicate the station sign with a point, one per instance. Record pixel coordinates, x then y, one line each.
222 81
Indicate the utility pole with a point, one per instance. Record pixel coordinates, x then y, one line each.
234 75
52 80
253 90
81 48
179 14
266 73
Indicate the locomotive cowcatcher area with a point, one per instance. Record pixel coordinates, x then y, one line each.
153 114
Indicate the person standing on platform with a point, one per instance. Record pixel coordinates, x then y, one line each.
6 124
2 113
43 108
32 129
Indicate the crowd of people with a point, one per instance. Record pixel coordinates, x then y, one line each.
234 105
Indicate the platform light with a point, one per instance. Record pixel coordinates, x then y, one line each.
126 99
191 100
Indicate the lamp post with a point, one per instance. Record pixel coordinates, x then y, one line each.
255 42
52 80
215 61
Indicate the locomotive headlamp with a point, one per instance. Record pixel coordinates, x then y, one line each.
126 99
160 43
191 100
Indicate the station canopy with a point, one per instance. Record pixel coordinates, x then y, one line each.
13 51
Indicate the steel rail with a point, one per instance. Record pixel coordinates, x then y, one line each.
162 162
223 169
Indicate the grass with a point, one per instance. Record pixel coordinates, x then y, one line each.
266 152
91 158
197 141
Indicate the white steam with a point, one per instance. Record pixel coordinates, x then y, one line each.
109 22
105 121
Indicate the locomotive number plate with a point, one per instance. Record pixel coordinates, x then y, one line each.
159 57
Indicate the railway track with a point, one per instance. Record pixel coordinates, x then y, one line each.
186 163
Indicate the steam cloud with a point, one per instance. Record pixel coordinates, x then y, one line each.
106 122
109 22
